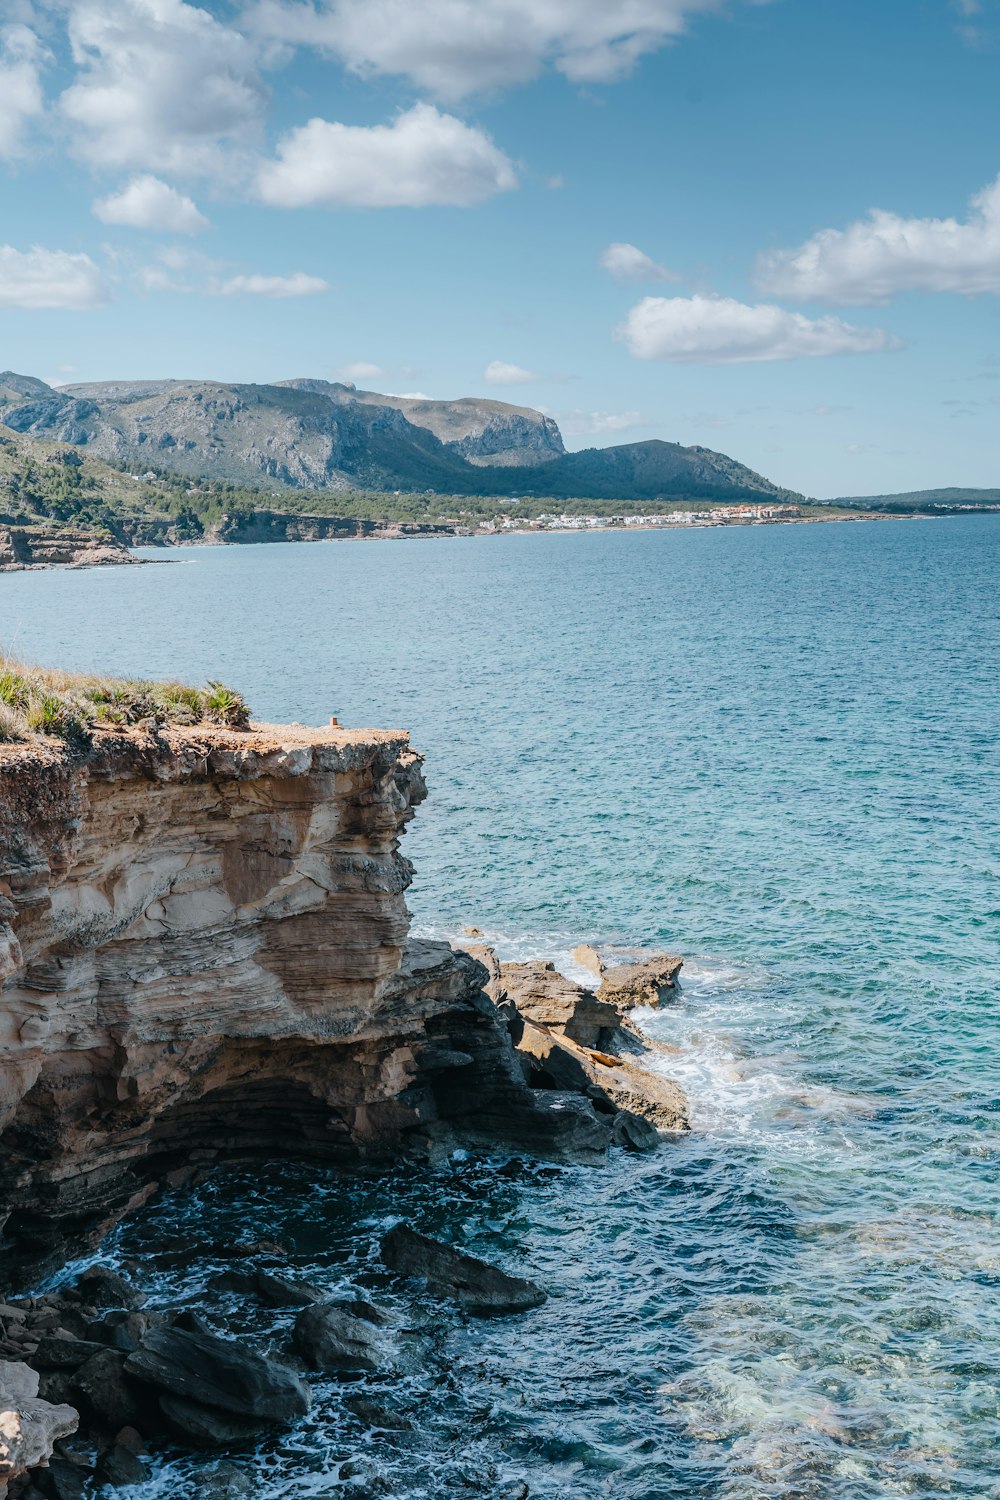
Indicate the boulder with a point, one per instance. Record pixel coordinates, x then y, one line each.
330 1337
559 1063
225 1481
651 982
482 1289
102 1287
29 1427
108 1393
118 1467
548 998
588 958
205 1426
64 1354
220 1373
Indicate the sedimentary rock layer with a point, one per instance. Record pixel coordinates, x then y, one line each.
57 547
203 954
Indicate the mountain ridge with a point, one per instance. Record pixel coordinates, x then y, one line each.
309 434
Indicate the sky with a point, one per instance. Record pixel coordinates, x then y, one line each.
769 227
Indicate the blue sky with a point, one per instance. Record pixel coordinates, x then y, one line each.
769 228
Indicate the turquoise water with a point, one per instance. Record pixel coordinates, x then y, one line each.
775 750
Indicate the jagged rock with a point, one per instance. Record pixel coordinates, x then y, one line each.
482 1289
589 958
651 982
29 1426
218 1373
64 1354
279 1291
545 996
378 1414
206 1426
330 1337
23 547
560 1063
107 1392
105 1288
211 957
120 1467
225 1481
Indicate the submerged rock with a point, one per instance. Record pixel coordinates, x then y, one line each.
482 1289
333 1337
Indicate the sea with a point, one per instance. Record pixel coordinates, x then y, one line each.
773 749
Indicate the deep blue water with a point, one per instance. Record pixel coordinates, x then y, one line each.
774 749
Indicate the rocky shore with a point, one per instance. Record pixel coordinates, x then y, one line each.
204 958
24 547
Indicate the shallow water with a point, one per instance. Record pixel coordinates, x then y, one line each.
775 750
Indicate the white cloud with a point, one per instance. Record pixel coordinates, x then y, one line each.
360 369
720 330
499 372
875 258
21 57
454 47
423 157
583 423
160 84
628 263
296 285
410 395
49 278
148 203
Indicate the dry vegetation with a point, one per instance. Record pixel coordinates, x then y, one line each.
38 701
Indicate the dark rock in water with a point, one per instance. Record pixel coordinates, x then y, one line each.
120 1467
634 1133
377 1414
61 1480
283 1291
109 1394
105 1288
64 1354
484 1290
211 1371
205 1426
328 1337
279 1291
119 1329
225 1481
368 1311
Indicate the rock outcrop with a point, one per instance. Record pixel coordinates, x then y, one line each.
569 1038
203 955
58 547
29 1427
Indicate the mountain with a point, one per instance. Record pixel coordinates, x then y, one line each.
946 499
317 435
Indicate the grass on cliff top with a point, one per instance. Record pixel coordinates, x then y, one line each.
38 702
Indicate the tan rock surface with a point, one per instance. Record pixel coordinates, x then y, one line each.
202 952
29 1427
649 982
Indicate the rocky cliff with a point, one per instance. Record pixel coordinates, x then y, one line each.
203 954
57 547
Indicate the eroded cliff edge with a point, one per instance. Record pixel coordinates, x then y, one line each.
203 954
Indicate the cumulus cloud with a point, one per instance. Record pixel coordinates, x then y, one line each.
720 330
21 58
298 284
454 47
584 423
423 157
499 372
360 369
49 278
875 258
149 203
160 84
628 263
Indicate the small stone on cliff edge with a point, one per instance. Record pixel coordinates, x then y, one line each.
484 1290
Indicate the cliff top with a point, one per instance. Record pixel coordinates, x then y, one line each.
50 713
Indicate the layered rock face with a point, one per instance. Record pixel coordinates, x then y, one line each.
57 547
203 955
